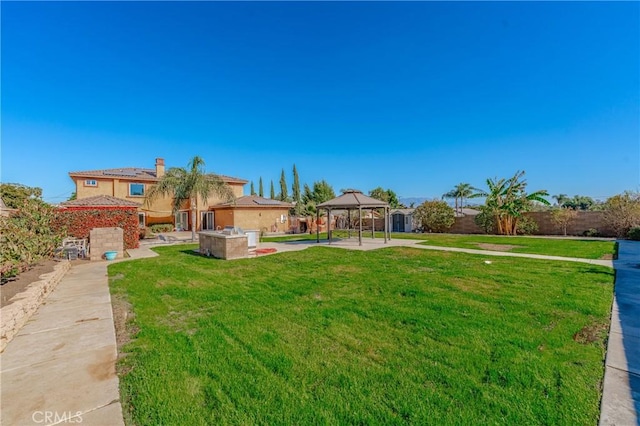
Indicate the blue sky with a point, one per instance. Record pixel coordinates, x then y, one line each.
415 96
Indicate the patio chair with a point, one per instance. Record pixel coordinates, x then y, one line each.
71 253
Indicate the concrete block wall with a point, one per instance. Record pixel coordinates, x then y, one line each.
465 225
106 239
584 221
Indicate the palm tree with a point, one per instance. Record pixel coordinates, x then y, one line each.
451 194
460 192
507 199
561 199
464 191
190 185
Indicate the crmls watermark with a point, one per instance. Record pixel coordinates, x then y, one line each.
49 417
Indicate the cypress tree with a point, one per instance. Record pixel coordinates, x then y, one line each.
283 187
260 188
297 197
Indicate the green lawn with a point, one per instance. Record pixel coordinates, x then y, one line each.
583 248
392 336
589 249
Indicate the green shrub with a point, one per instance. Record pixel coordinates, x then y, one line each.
634 233
527 226
486 221
592 232
27 236
434 216
158 228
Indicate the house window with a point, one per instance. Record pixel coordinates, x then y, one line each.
141 220
136 189
90 182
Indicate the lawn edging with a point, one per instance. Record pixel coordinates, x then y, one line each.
15 315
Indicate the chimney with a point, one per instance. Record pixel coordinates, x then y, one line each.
159 167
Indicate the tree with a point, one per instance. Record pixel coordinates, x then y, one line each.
622 212
297 196
561 199
260 188
451 196
460 192
580 202
321 192
73 196
15 194
577 202
506 201
563 217
434 216
253 190
189 185
388 196
283 187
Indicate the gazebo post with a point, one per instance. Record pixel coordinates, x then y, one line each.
386 226
348 223
329 225
373 224
317 226
360 230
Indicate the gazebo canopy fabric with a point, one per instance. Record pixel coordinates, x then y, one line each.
353 199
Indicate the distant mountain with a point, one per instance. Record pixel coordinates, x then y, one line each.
419 200
415 200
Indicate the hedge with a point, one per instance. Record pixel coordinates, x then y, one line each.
79 222
26 237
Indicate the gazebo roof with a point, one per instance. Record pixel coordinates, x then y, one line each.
353 199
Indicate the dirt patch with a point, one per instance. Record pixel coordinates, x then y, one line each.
496 247
122 321
591 333
21 282
607 256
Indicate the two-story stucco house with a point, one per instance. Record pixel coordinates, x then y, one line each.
132 183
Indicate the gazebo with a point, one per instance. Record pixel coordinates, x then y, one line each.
353 200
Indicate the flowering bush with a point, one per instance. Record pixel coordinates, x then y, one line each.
434 216
79 222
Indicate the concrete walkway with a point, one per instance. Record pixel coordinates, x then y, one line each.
60 368
372 244
621 394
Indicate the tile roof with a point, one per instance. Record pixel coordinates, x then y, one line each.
403 211
136 173
100 201
255 201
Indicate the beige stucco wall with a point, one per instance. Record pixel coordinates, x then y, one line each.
160 211
253 218
105 187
